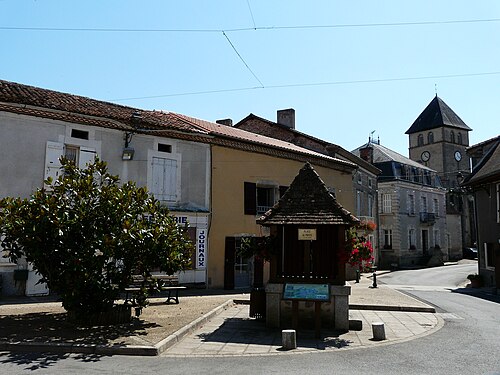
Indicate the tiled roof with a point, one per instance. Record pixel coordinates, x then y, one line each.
436 114
231 132
293 133
307 201
35 101
488 169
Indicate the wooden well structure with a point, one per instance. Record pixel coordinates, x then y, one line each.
309 253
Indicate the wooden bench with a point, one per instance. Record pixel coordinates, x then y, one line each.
169 283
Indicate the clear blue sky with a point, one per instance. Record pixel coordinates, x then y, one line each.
364 74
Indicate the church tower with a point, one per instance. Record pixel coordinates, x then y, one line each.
438 139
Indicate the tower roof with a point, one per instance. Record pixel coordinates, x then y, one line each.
437 114
308 201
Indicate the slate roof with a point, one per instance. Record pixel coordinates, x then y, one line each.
308 201
437 114
488 169
382 154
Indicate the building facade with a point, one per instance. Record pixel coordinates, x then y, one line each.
484 182
363 185
411 208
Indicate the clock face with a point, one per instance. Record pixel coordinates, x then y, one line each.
426 155
458 156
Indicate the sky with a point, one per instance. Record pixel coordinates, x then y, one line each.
348 68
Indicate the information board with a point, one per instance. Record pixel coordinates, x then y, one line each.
307 292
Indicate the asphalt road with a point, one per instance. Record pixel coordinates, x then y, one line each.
469 343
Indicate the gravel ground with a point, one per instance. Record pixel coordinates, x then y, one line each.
47 322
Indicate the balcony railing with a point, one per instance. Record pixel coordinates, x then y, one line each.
427 217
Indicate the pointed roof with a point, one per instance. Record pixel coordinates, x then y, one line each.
488 169
437 114
308 201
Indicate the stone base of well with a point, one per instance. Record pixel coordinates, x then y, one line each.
334 313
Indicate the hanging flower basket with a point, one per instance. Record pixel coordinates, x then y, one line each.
359 251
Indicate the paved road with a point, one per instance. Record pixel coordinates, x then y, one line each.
467 344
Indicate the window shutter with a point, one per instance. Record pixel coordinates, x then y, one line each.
87 156
53 152
250 198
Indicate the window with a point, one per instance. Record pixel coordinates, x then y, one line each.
386 203
423 204
452 137
370 183
411 204
387 238
370 205
420 140
162 147
259 199
265 199
435 206
81 134
358 202
411 239
459 138
359 178
164 179
437 238
430 137
489 255
80 155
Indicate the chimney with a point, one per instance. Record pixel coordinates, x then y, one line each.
366 153
287 117
226 121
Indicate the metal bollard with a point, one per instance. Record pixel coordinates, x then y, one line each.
357 276
374 280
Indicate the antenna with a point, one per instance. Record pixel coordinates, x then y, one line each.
370 137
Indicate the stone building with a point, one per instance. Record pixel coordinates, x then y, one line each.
412 214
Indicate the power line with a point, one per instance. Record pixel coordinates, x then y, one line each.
263 28
241 58
331 83
251 14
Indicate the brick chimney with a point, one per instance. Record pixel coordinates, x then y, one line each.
286 117
226 121
366 153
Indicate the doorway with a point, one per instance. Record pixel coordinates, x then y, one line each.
237 269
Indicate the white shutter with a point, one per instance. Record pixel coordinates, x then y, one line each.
53 152
87 156
164 184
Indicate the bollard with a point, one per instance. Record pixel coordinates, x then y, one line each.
289 339
357 276
378 331
374 279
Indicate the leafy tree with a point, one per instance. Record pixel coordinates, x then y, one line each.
86 235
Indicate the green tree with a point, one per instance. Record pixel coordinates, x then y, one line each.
86 235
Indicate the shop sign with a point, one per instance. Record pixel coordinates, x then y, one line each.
201 248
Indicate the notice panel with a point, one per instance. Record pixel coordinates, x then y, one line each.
308 292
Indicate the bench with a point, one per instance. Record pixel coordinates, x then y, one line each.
169 283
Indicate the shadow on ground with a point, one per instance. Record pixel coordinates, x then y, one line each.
254 332
483 293
55 328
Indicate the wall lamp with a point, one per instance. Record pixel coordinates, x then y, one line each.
128 152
